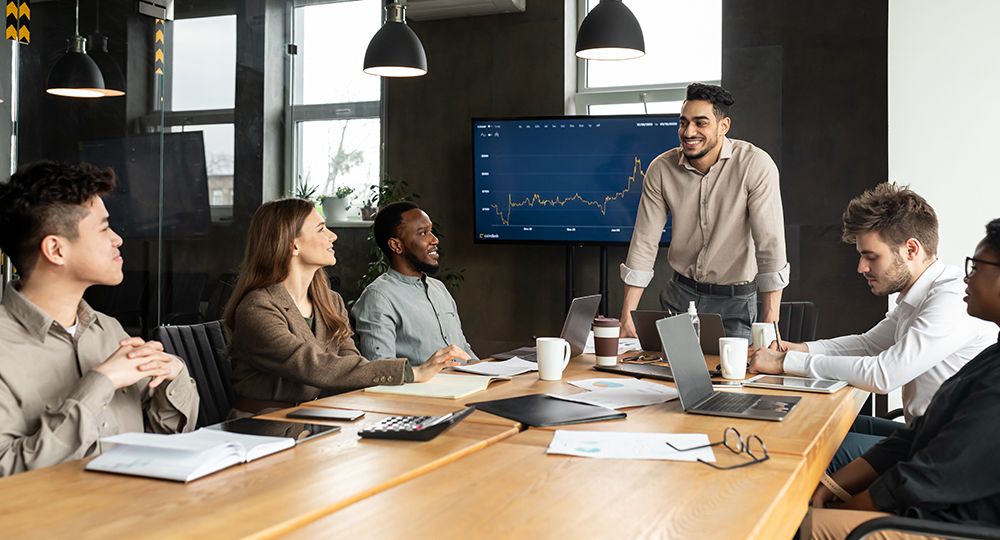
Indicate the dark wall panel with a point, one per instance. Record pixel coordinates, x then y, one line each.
811 88
814 75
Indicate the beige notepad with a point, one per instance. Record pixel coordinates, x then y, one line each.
443 385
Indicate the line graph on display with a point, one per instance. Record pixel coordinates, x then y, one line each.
601 203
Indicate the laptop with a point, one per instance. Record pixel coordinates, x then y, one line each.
645 328
575 329
695 387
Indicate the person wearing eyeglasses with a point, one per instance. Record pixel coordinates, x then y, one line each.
925 339
943 466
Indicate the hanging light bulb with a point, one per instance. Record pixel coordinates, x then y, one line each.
610 32
75 74
395 51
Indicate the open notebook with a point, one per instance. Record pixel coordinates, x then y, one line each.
443 385
188 456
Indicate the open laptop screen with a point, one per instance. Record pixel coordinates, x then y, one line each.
578 321
680 344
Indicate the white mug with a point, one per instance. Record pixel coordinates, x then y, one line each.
733 356
553 356
763 334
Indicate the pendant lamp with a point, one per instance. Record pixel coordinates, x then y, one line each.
395 51
610 32
75 74
114 80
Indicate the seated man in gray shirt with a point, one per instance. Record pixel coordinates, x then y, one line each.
406 313
70 375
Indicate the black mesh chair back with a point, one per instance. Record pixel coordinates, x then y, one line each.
798 321
203 349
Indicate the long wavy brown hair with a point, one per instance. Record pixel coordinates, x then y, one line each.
273 229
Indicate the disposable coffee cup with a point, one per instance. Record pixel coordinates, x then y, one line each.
606 332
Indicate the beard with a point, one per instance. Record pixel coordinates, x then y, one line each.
896 278
697 155
421 266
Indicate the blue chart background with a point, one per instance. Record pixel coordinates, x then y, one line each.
528 161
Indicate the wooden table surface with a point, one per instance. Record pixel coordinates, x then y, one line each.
808 430
260 499
484 477
514 490
533 495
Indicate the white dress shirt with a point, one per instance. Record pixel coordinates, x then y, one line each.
922 342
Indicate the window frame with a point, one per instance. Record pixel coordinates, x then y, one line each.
621 95
320 112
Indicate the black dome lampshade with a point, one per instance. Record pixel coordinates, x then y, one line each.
75 74
114 80
395 51
610 32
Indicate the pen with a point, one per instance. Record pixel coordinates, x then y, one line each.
777 335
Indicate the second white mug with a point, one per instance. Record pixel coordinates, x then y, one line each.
553 356
763 334
733 357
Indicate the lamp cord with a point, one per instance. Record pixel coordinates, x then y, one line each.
78 17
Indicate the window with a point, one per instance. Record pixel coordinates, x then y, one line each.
201 94
219 143
683 45
202 72
335 105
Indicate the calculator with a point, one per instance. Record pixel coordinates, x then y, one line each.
414 428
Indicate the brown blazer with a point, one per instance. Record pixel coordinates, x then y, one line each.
276 357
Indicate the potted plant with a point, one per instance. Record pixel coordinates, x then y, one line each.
335 207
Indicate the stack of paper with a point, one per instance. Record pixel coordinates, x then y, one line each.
443 385
625 445
507 368
619 393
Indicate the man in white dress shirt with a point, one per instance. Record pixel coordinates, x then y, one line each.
921 342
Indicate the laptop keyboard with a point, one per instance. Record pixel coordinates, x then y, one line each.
729 402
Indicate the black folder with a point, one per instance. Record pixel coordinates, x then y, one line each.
540 410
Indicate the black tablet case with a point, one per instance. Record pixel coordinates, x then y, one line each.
540 410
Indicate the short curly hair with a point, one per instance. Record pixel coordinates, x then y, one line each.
45 198
896 212
993 235
720 98
387 222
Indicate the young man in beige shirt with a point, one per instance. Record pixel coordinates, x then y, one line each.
728 233
68 374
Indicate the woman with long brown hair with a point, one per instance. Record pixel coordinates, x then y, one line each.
290 339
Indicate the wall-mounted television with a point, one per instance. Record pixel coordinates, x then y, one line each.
564 179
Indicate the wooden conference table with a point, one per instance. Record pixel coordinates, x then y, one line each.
486 477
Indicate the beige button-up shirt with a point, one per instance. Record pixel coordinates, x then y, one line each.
728 226
54 407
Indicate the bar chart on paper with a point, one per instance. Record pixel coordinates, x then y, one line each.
565 179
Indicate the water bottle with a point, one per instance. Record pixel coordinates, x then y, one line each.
695 321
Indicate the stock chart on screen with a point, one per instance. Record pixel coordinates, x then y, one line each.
567 179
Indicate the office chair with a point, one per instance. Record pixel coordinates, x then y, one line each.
924 527
203 349
797 321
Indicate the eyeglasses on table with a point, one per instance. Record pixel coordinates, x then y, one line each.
753 446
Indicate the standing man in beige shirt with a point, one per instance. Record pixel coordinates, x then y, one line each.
70 375
728 237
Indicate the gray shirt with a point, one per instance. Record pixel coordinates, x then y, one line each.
400 316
